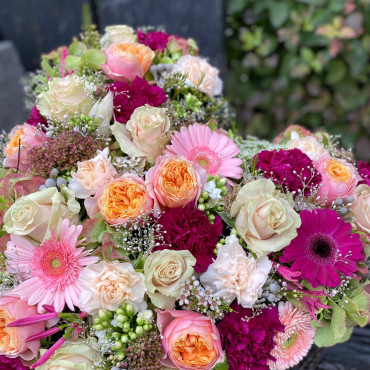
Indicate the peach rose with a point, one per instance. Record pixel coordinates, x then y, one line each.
310 146
174 181
361 208
145 134
199 74
235 275
120 201
265 217
91 175
190 340
339 179
13 340
125 61
106 285
22 140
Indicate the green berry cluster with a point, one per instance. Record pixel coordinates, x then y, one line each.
6 281
83 123
122 327
222 241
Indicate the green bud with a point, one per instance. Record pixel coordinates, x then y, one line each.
133 336
205 195
201 207
201 200
139 330
216 178
211 222
120 311
146 327
130 309
99 327
109 314
122 318
116 335
222 241
123 306
120 355
124 338
101 313
97 320
215 251
126 327
106 324
221 182
224 189
219 245
211 217
117 345
139 320
150 326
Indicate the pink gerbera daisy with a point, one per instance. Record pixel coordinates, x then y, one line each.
324 248
51 269
293 344
213 151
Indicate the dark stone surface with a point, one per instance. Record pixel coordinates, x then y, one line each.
12 110
39 26
202 20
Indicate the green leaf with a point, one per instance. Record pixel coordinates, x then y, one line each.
278 13
324 336
76 48
72 62
93 228
228 220
223 366
338 321
94 58
352 311
336 71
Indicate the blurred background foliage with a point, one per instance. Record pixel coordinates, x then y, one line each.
301 62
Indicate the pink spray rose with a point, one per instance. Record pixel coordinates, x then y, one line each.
22 139
127 61
339 179
13 339
190 340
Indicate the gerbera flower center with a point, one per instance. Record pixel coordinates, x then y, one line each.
321 248
206 158
290 341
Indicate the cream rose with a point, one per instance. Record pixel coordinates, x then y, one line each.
310 146
65 97
145 134
36 214
361 208
91 175
265 217
165 273
116 34
106 285
235 275
72 355
199 74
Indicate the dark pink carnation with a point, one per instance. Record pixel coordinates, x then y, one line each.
7 363
188 228
156 40
364 171
289 168
129 97
248 343
36 118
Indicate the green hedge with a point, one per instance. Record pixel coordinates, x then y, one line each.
300 61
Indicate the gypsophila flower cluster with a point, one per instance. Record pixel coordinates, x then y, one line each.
132 165
197 298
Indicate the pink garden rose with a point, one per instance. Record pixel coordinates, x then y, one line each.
13 340
190 340
127 61
361 208
22 138
339 179
175 181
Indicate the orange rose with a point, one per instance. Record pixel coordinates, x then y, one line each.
120 201
175 181
126 61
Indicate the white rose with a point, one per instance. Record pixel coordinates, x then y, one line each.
235 275
145 134
165 274
118 34
308 145
265 217
36 214
65 97
106 285
199 74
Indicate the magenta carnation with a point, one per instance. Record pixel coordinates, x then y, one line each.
36 118
248 343
188 228
364 171
289 168
324 248
156 40
129 97
7 363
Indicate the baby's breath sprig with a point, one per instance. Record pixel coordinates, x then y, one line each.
195 297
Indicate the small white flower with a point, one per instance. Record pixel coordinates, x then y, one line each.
213 191
231 239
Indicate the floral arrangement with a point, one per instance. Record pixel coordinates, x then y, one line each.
139 232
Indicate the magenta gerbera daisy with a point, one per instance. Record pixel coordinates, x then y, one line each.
213 151
324 248
51 269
